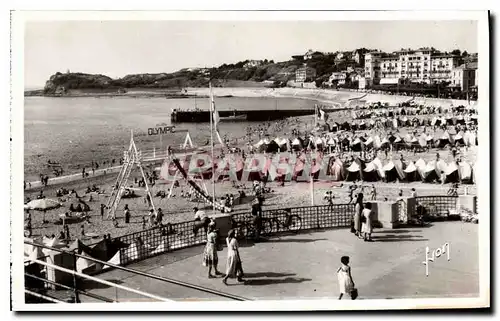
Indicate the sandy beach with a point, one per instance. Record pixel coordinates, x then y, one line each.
325 96
178 209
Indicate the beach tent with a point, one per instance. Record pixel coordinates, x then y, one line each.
444 140
281 142
393 171
299 167
452 173
385 143
356 145
355 171
255 171
297 144
335 169
465 172
430 172
345 126
412 174
371 173
369 142
398 142
377 143
272 147
318 142
472 139
459 139
441 166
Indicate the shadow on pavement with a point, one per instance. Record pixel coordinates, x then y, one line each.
295 240
398 238
397 231
267 274
275 281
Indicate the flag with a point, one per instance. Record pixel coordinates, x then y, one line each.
215 116
213 111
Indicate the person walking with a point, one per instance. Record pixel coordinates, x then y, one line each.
346 283
233 267
127 214
159 218
367 227
374 193
357 214
210 258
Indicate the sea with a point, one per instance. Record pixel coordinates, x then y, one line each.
77 131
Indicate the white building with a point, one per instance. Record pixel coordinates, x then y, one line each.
424 65
338 78
464 77
253 63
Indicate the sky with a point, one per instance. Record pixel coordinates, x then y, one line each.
118 48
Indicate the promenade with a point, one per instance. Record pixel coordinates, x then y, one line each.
303 266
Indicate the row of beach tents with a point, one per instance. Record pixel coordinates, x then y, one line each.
403 121
396 170
268 168
279 144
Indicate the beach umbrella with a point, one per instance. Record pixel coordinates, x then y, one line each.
43 204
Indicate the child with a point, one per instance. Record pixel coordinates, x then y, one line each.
346 284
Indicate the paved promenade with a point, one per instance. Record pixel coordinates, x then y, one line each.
304 266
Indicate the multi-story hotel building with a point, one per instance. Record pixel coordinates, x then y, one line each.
421 66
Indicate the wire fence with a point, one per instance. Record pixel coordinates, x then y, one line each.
170 237
437 207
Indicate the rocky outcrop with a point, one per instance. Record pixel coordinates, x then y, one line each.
59 83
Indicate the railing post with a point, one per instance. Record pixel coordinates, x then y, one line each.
75 280
317 217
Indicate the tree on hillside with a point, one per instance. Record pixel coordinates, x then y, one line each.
465 54
456 52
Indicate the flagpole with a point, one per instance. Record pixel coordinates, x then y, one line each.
315 115
212 111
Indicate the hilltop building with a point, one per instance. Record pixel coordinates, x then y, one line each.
304 74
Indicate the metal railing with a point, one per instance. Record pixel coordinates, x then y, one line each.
437 207
297 219
76 284
158 240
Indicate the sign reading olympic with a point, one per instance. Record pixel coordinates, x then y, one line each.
162 129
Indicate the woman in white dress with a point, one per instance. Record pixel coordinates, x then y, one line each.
367 226
346 284
233 268
210 258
